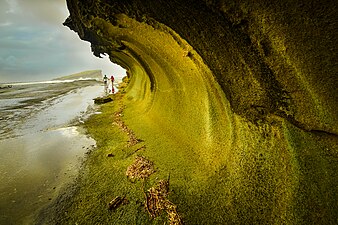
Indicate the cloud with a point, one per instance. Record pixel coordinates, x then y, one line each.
12 6
5 24
36 46
48 12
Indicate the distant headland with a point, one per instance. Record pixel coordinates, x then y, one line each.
94 74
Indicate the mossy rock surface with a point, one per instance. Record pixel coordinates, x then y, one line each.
236 101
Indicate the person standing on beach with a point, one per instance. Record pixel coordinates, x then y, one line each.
105 81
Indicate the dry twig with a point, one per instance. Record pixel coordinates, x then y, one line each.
141 168
116 202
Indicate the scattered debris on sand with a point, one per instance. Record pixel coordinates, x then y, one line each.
157 202
141 168
118 122
156 198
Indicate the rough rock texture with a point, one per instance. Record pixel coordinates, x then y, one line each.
251 88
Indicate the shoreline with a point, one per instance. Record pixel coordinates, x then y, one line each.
32 170
18 105
102 176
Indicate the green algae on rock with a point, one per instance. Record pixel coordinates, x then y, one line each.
238 101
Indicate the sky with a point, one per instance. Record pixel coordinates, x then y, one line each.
35 46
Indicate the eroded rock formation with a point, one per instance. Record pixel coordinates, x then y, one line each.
250 88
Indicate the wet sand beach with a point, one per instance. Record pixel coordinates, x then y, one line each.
41 146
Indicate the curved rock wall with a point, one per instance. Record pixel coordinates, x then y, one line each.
249 88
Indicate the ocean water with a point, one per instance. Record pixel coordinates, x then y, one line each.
23 100
41 147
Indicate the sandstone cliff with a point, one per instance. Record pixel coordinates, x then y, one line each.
249 88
